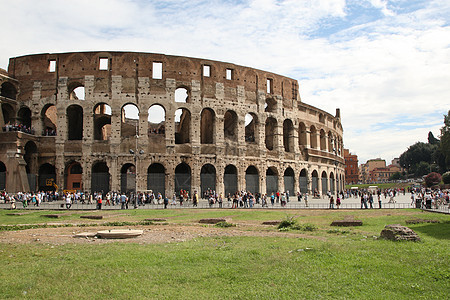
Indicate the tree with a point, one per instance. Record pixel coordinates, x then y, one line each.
432 179
446 177
431 139
417 153
445 140
396 176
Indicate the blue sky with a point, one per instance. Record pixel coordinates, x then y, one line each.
385 64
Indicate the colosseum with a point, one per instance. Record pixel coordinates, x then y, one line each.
125 121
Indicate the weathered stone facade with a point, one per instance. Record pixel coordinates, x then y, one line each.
236 128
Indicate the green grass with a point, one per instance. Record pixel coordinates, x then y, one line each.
330 262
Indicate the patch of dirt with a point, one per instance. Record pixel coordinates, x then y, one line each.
153 234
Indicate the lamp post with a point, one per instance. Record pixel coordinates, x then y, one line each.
135 153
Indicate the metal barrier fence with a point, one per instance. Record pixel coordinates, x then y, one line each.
203 204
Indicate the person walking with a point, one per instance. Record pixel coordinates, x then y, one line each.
338 202
331 202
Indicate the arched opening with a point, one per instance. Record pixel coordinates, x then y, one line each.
251 128
230 179
128 178
8 90
2 176
74 122
156 120
252 180
271 105
129 121
156 179
102 122
76 91
207 126
323 140
332 183
271 181
331 142
230 125
270 130
302 134
73 175
49 118
181 95
315 183
47 177
24 118
31 159
183 178
100 177
288 135
324 183
182 126
321 118
8 114
313 137
208 179
303 181
289 181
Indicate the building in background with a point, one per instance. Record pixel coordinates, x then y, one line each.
351 167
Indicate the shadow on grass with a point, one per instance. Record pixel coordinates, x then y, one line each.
436 230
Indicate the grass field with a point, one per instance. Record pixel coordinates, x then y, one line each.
248 261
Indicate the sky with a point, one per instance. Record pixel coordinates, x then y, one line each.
384 64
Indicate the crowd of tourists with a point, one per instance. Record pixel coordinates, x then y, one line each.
18 127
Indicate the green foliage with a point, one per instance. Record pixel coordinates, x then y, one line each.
445 141
396 176
432 179
431 139
446 177
287 222
224 224
418 158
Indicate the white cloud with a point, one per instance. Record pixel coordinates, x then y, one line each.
391 69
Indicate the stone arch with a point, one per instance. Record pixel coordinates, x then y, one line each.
74 115
183 178
288 135
313 136
331 142
129 121
24 116
271 180
156 178
8 90
8 114
270 130
182 94
332 183
2 176
315 182
230 179
324 183
322 118
76 91
303 181
289 181
49 118
100 177
157 120
182 126
207 179
270 105
73 176
251 128
128 178
47 177
31 159
302 135
102 122
207 126
252 180
230 125
323 140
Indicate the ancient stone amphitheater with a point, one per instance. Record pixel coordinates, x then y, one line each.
123 121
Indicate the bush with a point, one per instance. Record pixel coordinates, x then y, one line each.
446 177
288 222
224 224
432 179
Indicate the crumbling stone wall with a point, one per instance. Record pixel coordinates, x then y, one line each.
285 134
